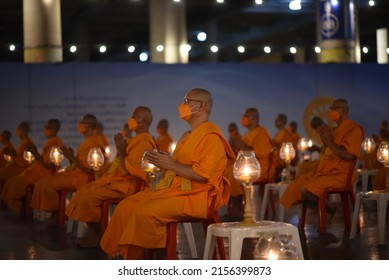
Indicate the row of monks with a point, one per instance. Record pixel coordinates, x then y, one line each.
197 176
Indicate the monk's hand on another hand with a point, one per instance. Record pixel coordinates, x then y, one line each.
161 159
121 145
68 153
325 135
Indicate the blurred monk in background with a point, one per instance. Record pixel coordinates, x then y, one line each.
15 188
282 136
341 150
292 128
17 162
164 140
193 181
125 177
45 195
5 139
256 139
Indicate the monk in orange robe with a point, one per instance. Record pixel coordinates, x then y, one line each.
18 164
126 132
125 177
282 136
256 139
193 179
5 139
164 140
45 195
15 188
292 129
342 148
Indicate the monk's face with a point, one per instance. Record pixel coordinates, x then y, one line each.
337 111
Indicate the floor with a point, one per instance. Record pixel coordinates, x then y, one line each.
24 238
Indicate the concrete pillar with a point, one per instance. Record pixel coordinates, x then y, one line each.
168 28
382 45
42 31
338 27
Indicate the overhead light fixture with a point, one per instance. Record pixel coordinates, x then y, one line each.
12 48
258 2
177 1
241 49
220 1
214 49
295 5
103 49
387 50
73 49
131 49
334 2
160 48
143 56
317 49
185 48
365 49
371 3
267 49
293 50
202 36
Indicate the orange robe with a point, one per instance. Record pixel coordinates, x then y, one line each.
15 188
260 140
45 195
163 142
18 164
140 220
282 136
3 161
85 204
332 171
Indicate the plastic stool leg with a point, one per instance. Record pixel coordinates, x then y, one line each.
264 203
355 216
189 235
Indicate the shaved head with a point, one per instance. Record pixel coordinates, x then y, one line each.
340 104
143 113
90 120
252 113
202 95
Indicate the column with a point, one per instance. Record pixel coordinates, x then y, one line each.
168 28
338 31
382 45
42 31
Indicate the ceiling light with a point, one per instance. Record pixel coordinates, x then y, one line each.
131 49
293 50
387 50
371 3
143 56
12 48
267 49
334 2
202 36
186 48
177 1
258 2
295 5
317 49
103 49
73 49
214 49
241 49
160 48
220 1
365 50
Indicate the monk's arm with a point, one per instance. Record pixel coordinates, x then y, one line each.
38 156
69 154
340 151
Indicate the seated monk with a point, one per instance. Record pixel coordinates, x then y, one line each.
125 177
282 136
164 140
5 139
256 139
15 188
192 181
45 195
341 149
17 162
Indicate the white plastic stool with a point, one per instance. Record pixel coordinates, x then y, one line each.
382 199
81 226
236 232
365 174
280 188
189 235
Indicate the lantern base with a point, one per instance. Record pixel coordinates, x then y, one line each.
248 217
